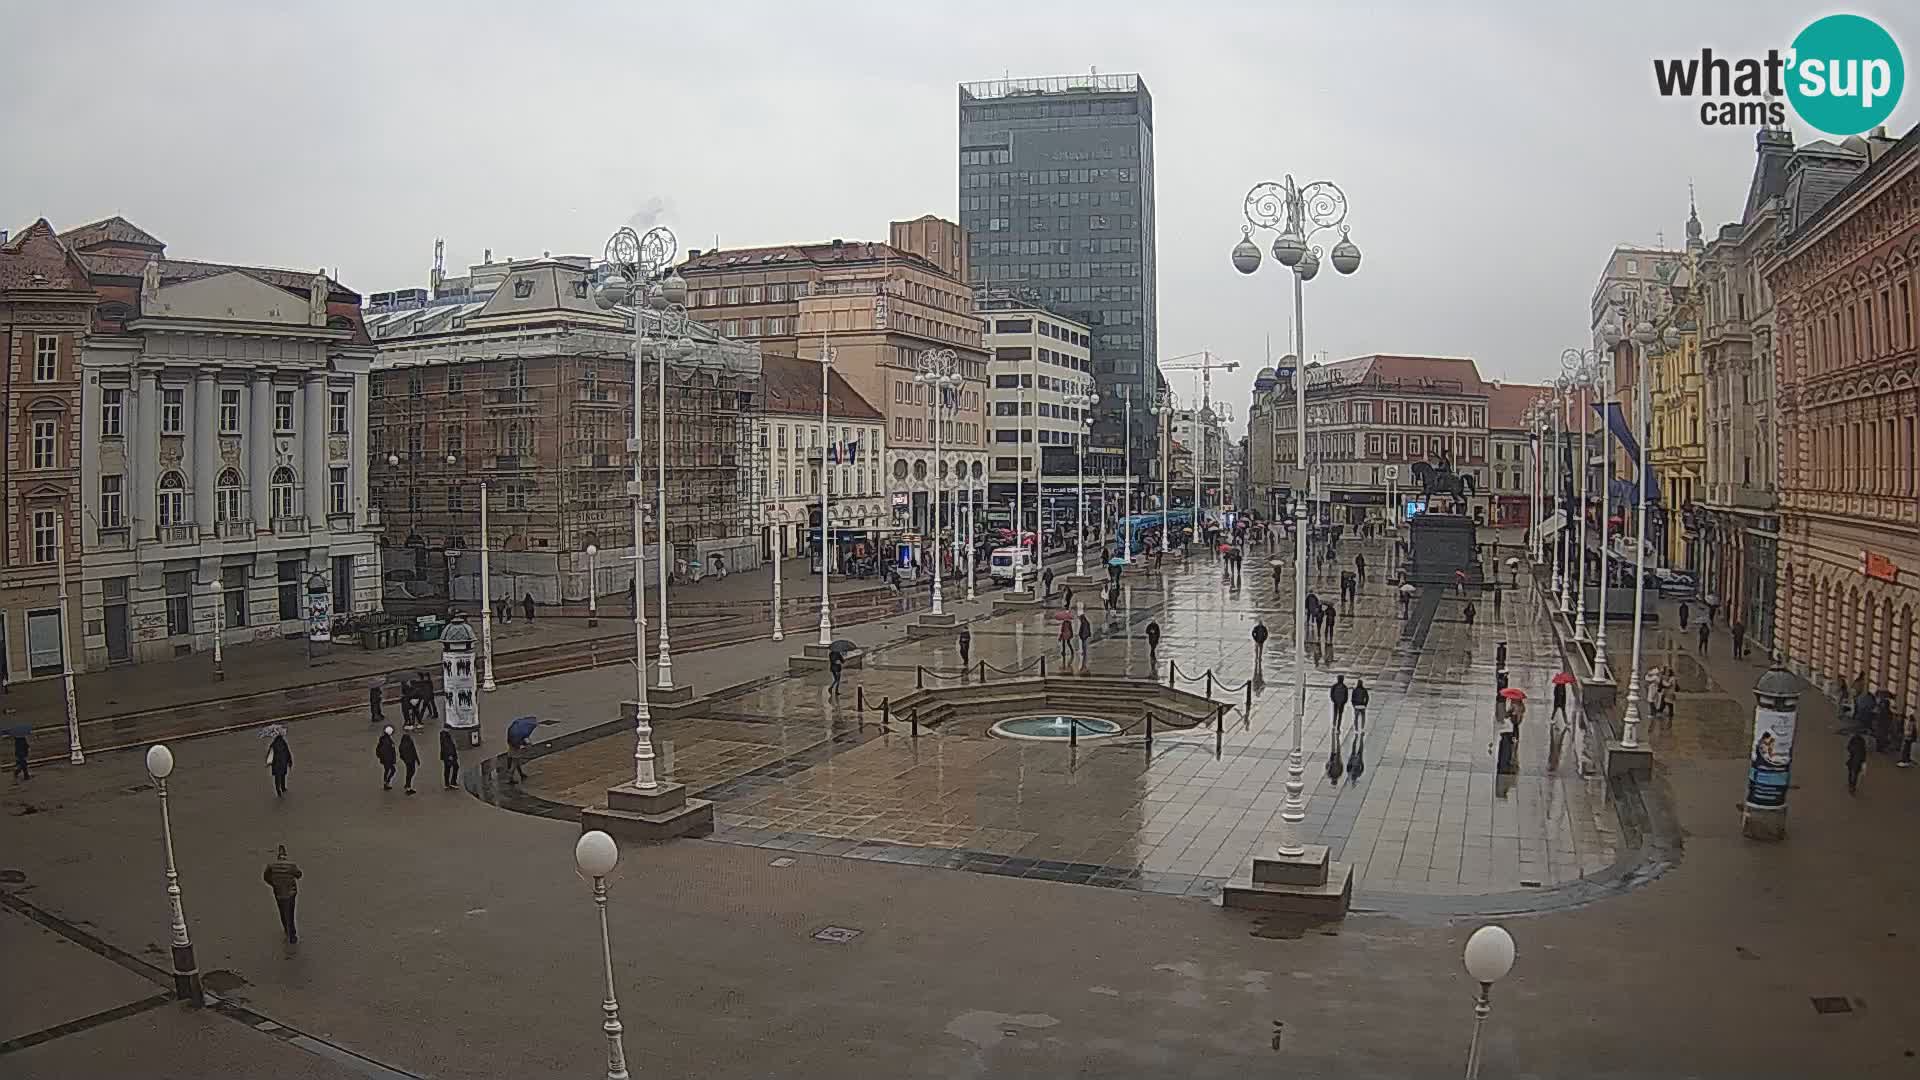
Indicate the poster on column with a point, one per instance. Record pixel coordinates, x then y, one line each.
1772 759
456 673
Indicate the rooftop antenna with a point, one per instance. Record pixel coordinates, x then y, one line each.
439 266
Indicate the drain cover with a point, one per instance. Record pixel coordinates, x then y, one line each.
782 862
840 935
1826 1005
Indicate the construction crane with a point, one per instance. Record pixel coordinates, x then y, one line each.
1204 417
1206 365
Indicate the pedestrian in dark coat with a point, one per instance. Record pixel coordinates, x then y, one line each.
409 756
409 705
429 709
1086 635
20 758
280 760
384 752
1560 700
1683 614
1706 633
1066 597
1066 638
966 646
374 715
1359 571
1329 614
1339 693
1467 612
283 875
1856 760
836 663
1739 639
1153 643
1361 696
1046 577
449 760
503 610
526 605
1278 575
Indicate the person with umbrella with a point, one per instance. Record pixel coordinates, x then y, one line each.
20 733
1560 683
1066 633
279 756
1153 643
1259 647
1086 635
449 760
519 733
1509 741
410 757
836 664
387 756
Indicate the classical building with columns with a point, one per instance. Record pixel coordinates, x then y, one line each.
1844 282
225 421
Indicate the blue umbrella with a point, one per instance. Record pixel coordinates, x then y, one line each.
1116 561
521 729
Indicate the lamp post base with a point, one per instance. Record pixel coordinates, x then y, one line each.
1634 761
1763 822
186 976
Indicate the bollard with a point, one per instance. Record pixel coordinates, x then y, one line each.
1043 667
919 677
1249 698
983 671
1170 670
1149 732
1209 684
886 712
1073 733
1219 729
860 698
915 720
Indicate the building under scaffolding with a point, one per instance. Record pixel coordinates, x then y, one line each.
526 387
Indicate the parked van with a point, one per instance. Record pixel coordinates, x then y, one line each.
1009 560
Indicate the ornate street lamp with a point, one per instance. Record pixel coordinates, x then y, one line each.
939 372
186 973
1296 215
595 854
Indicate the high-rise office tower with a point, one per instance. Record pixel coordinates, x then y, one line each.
1056 197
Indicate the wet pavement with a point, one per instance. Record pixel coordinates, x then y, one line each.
1415 804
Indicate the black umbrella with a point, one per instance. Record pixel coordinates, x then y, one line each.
17 731
843 647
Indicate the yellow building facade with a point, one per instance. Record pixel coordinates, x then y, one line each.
1677 430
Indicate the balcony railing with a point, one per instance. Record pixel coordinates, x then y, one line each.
180 534
290 526
236 529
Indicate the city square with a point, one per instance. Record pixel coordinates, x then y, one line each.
849 564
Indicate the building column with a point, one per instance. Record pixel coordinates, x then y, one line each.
357 452
204 426
143 464
260 448
315 480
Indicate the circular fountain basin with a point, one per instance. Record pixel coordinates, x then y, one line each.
1055 728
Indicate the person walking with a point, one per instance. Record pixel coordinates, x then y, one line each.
1856 760
1908 732
837 664
374 715
1683 614
428 708
966 646
1359 571
1279 572
1739 639
384 752
1339 693
1559 701
1328 615
505 612
526 605
1046 578
1467 613
1066 598
1086 635
280 761
409 704
20 771
1066 637
410 757
1313 615
449 760
1360 698
1153 644
283 876
1706 633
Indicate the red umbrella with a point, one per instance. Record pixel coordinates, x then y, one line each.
1563 679
1063 615
1224 548
1514 693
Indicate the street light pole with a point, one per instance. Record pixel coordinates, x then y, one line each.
75 756
186 974
1488 956
486 600
1126 497
593 588
634 261
973 535
1644 337
937 372
826 610
1610 335
596 855
779 556
1020 489
219 624
1297 214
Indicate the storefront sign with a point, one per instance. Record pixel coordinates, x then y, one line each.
1875 565
1772 758
319 615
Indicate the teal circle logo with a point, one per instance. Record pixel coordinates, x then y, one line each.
1846 74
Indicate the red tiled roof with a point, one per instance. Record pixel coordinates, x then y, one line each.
790 386
1508 402
1404 369
115 230
175 270
37 259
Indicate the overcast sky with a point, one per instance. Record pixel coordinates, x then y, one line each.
1492 154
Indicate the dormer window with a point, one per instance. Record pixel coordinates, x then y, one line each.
522 288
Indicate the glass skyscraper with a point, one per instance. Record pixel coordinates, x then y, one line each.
1056 197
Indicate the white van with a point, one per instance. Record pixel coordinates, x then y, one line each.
1009 560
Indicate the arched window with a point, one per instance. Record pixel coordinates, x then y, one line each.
173 499
228 497
517 375
281 492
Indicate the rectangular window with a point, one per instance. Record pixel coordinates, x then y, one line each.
753 294
45 536
337 490
179 602
288 587
172 412
45 438
46 358
337 415
456 381
283 410
229 412
112 509
776 325
112 401
233 595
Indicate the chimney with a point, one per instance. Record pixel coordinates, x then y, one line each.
693 253
3 236
838 243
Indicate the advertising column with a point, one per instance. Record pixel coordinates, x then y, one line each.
1770 757
457 659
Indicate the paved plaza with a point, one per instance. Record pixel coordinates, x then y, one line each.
442 936
1414 803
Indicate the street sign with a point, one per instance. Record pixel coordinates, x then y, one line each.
1393 472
